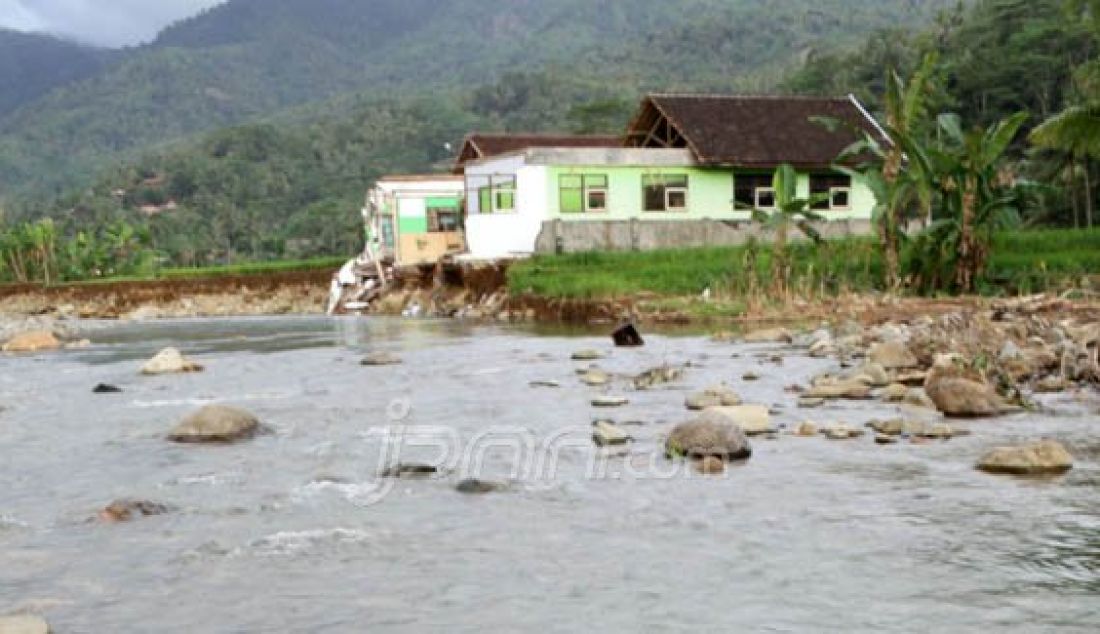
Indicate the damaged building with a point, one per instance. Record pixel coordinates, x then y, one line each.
686 171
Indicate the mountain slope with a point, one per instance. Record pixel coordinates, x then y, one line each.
249 58
31 65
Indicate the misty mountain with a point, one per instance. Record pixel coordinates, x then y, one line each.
33 64
247 59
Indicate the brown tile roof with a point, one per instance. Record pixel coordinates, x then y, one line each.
756 131
479 145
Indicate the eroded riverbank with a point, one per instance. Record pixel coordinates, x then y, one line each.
295 530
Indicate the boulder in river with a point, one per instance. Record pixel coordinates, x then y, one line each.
657 376
106 388
917 397
32 341
587 354
872 374
844 389
595 377
474 486
606 434
216 424
610 401
892 355
751 419
822 348
710 434
1046 457
409 470
899 426
170 361
841 432
711 465
807 402
23 624
964 398
911 378
1051 384
769 335
380 358
805 429
126 510
895 393
714 396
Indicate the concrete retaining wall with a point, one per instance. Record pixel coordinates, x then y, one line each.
643 235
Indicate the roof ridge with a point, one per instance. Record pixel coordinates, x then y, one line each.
539 134
759 97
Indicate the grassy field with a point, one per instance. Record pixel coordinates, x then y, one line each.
253 268
1022 261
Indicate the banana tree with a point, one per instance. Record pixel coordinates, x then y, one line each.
976 196
899 186
790 211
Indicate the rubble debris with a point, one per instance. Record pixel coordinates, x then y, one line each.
627 336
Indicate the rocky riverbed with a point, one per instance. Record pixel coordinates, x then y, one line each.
487 476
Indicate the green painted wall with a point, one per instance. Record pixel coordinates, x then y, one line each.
710 195
413 225
411 215
442 202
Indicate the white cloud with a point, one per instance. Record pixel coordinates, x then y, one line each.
104 22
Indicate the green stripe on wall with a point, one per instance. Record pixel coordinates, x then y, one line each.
443 202
413 225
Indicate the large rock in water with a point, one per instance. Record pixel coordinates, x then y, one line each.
24 624
963 398
1042 458
32 341
892 355
846 390
709 435
170 361
752 419
216 424
380 358
769 335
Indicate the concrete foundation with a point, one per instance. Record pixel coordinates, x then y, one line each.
557 236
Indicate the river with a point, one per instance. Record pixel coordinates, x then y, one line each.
294 531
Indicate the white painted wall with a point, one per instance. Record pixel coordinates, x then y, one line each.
411 206
514 234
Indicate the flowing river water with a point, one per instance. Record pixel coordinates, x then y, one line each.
294 531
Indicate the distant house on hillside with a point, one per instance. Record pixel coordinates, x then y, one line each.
686 172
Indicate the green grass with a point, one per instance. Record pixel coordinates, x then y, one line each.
253 268
1022 261
1037 261
682 272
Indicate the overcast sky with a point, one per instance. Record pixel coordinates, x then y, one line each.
104 22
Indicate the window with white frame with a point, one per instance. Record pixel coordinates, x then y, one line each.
580 193
833 190
754 191
665 192
496 194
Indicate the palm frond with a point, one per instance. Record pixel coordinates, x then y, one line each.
1076 130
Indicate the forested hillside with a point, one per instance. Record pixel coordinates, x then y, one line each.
289 184
249 58
31 65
